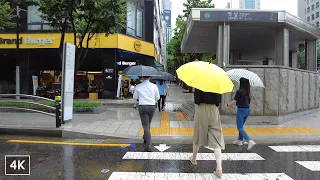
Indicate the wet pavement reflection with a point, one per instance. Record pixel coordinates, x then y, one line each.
92 162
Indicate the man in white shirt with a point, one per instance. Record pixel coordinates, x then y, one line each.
148 94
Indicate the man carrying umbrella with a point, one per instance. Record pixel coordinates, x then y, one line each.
148 94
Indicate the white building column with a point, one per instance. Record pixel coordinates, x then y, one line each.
226 44
311 55
294 59
219 52
282 47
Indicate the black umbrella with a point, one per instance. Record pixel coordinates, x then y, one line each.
141 70
165 76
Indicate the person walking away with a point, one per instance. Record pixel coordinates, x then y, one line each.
207 126
147 94
242 100
162 87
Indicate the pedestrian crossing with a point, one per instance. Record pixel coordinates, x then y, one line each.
186 156
252 162
196 176
311 165
296 148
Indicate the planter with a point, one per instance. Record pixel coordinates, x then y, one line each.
93 96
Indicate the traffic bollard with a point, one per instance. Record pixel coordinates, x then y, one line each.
58 114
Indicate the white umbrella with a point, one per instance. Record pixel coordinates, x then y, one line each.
254 79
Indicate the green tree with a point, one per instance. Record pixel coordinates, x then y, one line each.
83 18
6 15
175 58
301 60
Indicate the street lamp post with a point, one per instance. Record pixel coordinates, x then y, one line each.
18 59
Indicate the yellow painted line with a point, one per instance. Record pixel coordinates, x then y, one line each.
67 143
180 116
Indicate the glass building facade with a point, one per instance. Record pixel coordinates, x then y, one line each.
250 4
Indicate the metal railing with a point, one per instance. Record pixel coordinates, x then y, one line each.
57 107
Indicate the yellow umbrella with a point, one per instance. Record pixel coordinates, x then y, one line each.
206 77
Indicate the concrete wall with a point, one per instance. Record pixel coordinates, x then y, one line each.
286 91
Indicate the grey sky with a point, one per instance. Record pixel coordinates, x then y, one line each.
288 5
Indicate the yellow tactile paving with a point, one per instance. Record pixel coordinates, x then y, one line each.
165 121
180 116
165 130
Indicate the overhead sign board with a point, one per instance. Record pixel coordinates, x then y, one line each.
167 17
239 16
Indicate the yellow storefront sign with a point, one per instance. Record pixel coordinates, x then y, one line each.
52 41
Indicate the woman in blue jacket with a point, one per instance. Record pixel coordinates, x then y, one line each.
163 88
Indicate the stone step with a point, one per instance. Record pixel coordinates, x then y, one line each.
189 107
189 115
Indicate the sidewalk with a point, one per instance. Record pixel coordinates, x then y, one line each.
125 123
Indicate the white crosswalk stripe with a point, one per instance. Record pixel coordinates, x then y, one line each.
195 176
296 148
186 156
311 165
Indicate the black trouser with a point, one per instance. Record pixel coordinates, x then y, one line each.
146 113
162 98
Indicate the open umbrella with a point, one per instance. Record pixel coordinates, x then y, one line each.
254 79
133 77
164 76
206 77
141 70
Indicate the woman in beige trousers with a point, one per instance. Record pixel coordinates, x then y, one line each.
207 126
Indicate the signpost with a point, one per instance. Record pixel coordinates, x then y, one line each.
68 66
239 16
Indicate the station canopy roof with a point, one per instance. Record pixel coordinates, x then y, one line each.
252 27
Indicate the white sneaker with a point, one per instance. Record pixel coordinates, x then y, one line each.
238 142
251 144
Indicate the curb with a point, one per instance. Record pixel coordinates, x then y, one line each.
59 133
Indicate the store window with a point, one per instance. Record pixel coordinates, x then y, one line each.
131 19
139 23
88 82
35 22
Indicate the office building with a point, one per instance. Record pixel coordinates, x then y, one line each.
249 4
108 56
309 11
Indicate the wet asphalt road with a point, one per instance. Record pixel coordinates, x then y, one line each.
86 162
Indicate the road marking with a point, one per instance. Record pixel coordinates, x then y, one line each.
166 130
67 143
296 148
195 176
186 156
311 165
